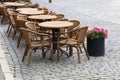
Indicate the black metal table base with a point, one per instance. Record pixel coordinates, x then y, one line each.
55 33
62 52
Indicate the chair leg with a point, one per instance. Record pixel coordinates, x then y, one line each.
10 31
58 55
51 55
19 39
78 53
80 49
8 28
3 18
44 54
30 55
25 53
86 51
14 33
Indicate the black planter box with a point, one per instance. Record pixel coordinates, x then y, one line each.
96 47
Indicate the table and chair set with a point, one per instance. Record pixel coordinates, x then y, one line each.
43 29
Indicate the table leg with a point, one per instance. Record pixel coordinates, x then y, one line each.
70 47
70 51
54 39
55 33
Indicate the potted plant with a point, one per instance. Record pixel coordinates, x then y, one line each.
96 41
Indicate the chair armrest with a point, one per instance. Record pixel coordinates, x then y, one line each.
67 32
35 32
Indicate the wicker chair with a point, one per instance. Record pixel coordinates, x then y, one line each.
22 17
75 41
21 20
76 24
34 27
12 24
16 19
3 12
31 25
59 16
31 45
9 13
15 25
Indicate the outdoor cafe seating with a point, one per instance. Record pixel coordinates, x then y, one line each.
43 30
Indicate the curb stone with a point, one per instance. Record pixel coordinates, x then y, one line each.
4 66
10 56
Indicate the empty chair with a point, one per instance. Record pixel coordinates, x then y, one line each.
31 25
16 27
3 12
17 18
22 17
75 41
76 24
21 20
59 17
31 45
34 26
12 24
9 13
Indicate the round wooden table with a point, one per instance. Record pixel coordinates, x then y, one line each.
31 12
13 4
55 27
26 9
56 24
42 17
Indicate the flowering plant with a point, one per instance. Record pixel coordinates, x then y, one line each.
97 33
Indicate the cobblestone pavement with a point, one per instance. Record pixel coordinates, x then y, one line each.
106 67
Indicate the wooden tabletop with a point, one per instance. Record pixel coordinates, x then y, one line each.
56 24
31 12
42 17
26 9
13 4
